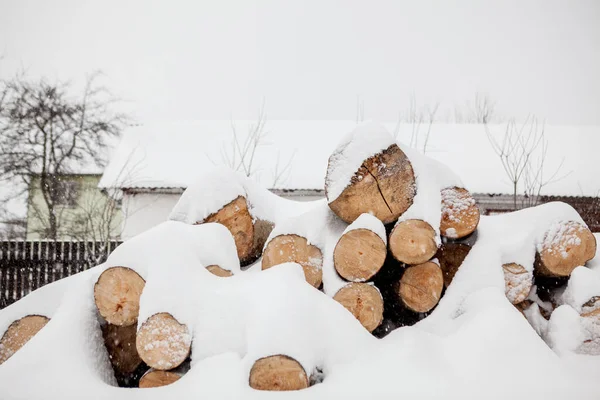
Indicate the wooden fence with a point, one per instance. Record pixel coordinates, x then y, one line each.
29 265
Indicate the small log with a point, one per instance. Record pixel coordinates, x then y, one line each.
364 301
451 256
157 378
120 345
517 282
294 248
117 295
591 308
162 342
384 186
218 271
19 333
359 255
278 373
421 286
460 214
413 242
565 247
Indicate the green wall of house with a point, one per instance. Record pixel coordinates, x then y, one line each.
86 214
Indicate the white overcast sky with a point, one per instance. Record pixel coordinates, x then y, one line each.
311 59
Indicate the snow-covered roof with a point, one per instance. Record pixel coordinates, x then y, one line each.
171 155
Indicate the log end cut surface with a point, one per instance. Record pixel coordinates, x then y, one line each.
294 248
157 378
218 271
364 302
413 242
517 282
359 255
117 295
565 246
460 214
162 342
19 333
384 186
278 373
421 287
236 217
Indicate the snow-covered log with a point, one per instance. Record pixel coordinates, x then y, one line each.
278 373
565 246
361 251
19 333
420 287
163 342
124 358
413 242
460 214
364 301
369 173
117 295
518 282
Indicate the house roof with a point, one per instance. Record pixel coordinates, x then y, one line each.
294 154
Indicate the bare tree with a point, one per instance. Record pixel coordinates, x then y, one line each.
417 116
45 132
483 111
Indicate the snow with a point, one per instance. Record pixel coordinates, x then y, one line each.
169 155
584 284
594 263
363 142
369 222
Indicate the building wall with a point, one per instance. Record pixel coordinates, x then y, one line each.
85 216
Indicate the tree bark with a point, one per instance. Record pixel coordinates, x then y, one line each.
19 333
384 186
420 287
124 358
413 242
359 255
451 256
162 342
460 214
294 248
117 295
278 373
564 249
363 301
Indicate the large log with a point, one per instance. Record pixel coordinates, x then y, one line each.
162 342
384 186
460 214
19 333
124 358
279 373
294 248
451 256
117 295
413 242
420 287
565 246
517 282
364 301
359 255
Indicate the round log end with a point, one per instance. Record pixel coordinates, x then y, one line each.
413 242
120 345
421 287
236 217
384 186
157 378
364 302
518 282
218 271
359 255
19 333
460 214
117 295
278 373
565 247
294 248
162 342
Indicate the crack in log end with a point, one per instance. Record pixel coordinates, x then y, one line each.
379 189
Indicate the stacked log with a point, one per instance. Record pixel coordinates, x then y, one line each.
117 295
19 333
451 256
364 301
156 378
420 287
163 342
124 358
278 373
413 241
460 214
